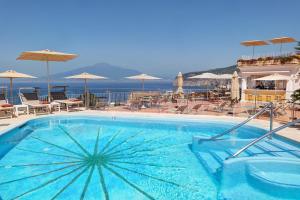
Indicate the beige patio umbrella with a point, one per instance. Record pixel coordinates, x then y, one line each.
179 84
11 74
282 40
85 76
46 56
253 44
143 77
235 87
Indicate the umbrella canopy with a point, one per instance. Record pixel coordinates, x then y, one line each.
143 77
224 76
85 76
282 40
179 84
11 74
235 87
204 76
46 56
274 77
253 44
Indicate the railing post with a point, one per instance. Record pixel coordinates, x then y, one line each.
271 118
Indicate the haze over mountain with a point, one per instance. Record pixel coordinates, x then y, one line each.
103 69
112 72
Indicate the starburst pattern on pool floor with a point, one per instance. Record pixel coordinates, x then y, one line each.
110 157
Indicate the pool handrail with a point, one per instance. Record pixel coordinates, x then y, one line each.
264 136
264 109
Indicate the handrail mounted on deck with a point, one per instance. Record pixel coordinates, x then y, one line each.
267 107
264 136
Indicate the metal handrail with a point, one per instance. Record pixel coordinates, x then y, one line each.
264 109
264 136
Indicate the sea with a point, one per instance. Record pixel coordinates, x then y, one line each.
117 90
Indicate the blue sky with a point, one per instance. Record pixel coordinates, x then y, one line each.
154 36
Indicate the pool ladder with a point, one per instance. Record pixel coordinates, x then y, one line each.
264 136
267 108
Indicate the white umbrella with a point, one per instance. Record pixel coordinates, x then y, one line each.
143 77
274 77
179 83
224 76
11 74
235 87
85 76
205 76
46 56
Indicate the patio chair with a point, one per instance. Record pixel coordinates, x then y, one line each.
5 107
31 99
99 103
280 109
181 109
220 107
197 107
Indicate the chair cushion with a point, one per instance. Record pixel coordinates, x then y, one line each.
58 96
6 105
31 96
44 102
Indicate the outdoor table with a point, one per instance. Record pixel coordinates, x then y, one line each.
21 106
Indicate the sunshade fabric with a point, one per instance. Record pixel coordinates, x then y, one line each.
254 43
14 74
235 87
179 83
274 77
46 55
281 40
205 76
143 77
85 75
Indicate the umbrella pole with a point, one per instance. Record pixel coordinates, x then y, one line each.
85 93
48 77
11 90
143 84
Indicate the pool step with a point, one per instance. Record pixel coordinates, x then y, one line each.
213 158
281 184
209 163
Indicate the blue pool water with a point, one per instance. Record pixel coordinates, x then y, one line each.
108 158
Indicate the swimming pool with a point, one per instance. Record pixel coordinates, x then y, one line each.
86 157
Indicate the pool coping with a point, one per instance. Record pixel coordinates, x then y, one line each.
291 134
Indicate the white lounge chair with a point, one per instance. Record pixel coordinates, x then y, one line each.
32 101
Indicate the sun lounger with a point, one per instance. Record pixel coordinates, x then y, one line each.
61 98
32 101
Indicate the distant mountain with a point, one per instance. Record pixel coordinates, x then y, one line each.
103 69
224 70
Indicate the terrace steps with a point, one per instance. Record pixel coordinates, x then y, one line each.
212 159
